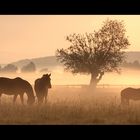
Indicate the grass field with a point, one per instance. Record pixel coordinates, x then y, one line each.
67 105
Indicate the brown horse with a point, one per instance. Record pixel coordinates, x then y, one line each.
41 87
17 86
129 94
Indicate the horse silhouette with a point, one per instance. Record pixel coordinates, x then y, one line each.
41 87
17 86
128 94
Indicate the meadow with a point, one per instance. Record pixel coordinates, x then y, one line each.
72 105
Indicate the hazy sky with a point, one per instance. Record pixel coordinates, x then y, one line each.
30 36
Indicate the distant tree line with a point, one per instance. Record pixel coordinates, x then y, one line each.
10 68
135 64
29 67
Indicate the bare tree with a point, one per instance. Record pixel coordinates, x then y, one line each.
96 53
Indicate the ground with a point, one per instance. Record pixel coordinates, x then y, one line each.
73 105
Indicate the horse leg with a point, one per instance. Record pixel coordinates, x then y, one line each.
127 101
0 98
123 101
40 100
14 99
45 98
46 93
21 98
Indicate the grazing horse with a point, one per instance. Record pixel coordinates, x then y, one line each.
129 94
17 86
41 87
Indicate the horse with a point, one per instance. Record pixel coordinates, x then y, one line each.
41 87
129 94
17 86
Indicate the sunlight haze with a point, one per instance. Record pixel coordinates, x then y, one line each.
31 36
97 86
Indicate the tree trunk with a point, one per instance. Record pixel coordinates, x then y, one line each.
93 81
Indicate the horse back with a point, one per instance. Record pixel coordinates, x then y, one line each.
14 86
130 93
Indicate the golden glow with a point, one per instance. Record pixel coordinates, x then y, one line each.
40 35
33 36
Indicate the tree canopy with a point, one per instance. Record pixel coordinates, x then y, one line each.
96 53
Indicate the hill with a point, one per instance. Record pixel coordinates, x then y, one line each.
42 62
51 62
132 56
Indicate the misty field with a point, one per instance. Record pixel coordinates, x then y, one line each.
72 105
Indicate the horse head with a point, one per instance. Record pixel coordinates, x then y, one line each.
47 80
31 100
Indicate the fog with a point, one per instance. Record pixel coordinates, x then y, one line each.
61 77
71 105
126 77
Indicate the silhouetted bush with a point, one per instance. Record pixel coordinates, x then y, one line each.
10 68
29 67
